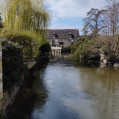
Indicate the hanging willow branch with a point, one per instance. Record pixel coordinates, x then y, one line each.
25 15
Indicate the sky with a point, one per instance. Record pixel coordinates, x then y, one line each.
69 14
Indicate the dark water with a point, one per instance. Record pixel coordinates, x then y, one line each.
68 89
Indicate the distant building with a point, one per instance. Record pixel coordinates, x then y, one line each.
62 37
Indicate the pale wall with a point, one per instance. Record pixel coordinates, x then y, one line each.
66 41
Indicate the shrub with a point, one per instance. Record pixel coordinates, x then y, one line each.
66 49
76 45
81 47
89 49
45 48
110 48
29 41
12 64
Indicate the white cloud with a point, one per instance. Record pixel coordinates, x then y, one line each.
72 8
68 9
57 26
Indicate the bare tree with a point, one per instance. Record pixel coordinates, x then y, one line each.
111 18
93 22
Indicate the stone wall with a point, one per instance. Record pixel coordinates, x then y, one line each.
9 98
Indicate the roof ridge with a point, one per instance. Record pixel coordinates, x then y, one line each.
62 29
62 33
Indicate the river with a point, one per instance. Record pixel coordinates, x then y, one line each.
69 89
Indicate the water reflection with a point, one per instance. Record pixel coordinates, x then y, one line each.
32 95
103 85
74 91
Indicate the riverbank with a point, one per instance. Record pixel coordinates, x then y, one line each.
9 98
103 49
26 95
103 60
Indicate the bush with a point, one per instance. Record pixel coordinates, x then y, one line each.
110 49
81 47
66 49
76 45
29 41
12 64
89 49
45 48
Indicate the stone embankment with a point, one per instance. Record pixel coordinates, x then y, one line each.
106 63
9 98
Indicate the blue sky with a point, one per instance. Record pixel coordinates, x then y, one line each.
68 14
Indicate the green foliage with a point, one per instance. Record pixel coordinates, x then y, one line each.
29 42
76 45
25 15
81 47
12 64
91 49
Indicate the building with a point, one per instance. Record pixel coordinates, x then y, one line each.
62 37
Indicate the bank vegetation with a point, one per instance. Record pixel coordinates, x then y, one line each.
100 40
24 24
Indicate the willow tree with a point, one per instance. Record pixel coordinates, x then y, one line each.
25 15
28 17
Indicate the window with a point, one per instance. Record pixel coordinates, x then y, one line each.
71 35
61 43
54 35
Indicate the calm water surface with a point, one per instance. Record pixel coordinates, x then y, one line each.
72 91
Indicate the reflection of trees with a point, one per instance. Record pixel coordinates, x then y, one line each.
32 96
103 85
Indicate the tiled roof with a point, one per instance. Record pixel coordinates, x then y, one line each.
62 33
